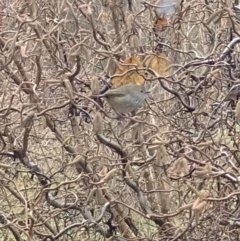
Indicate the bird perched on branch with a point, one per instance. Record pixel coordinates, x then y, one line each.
125 98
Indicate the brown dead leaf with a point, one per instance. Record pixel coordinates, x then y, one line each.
129 64
159 63
160 24
130 77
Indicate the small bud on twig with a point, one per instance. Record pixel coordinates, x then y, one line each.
95 86
98 123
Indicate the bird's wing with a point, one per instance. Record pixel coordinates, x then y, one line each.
113 93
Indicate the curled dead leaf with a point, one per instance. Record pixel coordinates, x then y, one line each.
158 63
160 24
133 76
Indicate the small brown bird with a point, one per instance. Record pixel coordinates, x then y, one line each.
126 98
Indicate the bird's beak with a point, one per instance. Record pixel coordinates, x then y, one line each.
147 92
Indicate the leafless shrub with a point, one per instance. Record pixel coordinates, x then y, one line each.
70 169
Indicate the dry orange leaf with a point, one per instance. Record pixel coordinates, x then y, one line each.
159 63
160 24
131 77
